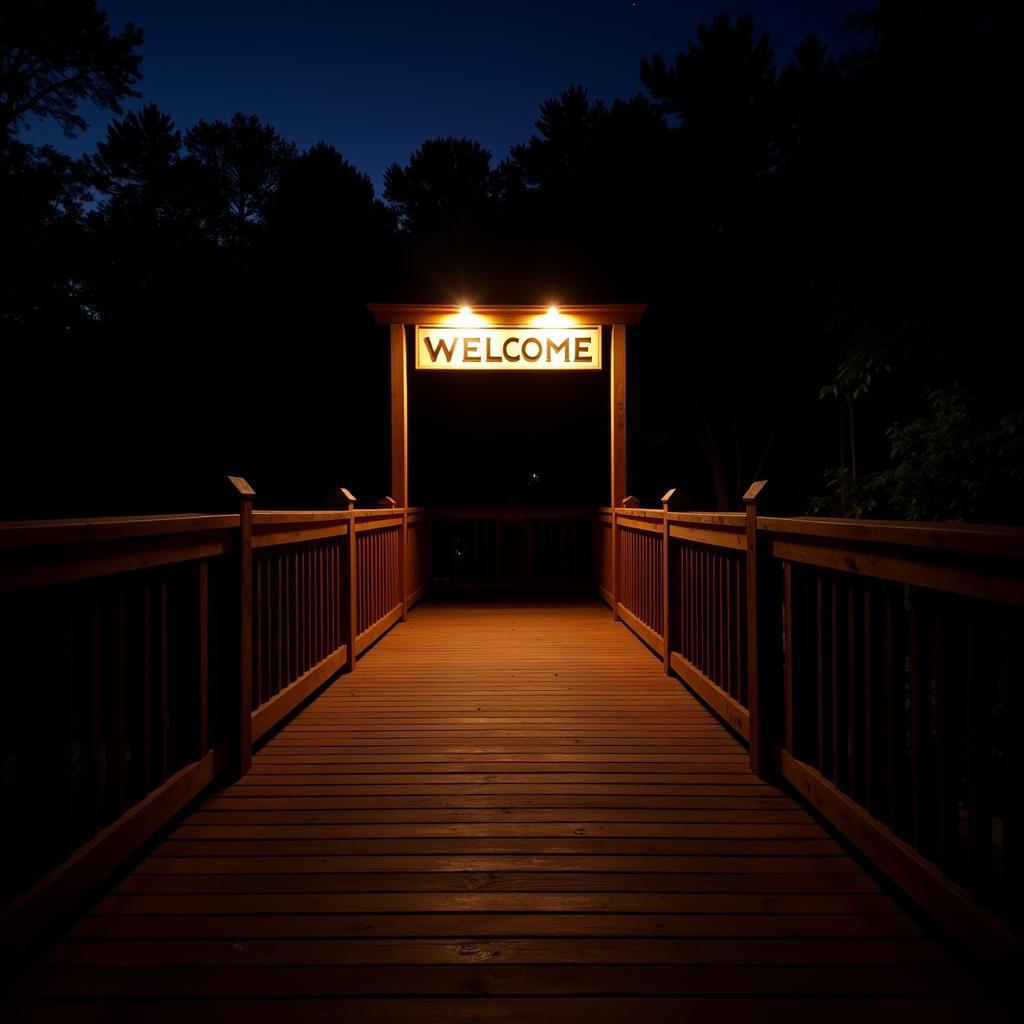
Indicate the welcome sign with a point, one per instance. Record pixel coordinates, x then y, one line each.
508 348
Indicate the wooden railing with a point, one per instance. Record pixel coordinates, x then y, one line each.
871 665
143 657
894 715
301 608
686 571
380 575
512 548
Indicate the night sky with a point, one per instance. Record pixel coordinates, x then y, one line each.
376 78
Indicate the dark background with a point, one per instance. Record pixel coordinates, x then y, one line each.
821 209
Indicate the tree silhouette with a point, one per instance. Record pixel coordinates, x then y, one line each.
825 249
721 91
42 197
559 158
446 185
57 54
133 163
242 161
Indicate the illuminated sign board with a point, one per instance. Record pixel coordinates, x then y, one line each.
508 348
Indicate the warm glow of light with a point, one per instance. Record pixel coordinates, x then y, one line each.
553 317
465 317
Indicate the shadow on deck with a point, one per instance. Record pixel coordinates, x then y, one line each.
509 813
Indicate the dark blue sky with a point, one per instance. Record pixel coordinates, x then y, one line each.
377 77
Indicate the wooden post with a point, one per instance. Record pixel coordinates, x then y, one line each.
758 716
241 733
618 414
344 499
670 501
399 418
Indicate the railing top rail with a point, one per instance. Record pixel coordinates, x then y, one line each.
42 532
274 517
734 520
964 538
639 513
386 513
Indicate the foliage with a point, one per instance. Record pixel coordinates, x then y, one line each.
242 161
133 162
959 462
446 185
42 199
835 227
55 54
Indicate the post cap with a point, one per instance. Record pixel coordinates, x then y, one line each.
387 502
241 487
674 499
754 490
341 497
631 502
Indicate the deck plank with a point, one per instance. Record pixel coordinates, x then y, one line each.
507 813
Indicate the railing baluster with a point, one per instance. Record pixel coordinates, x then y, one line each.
203 611
789 657
978 767
870 726
917 729
92 766
834 715
163 706
853 706
895 738
65 740
147 687
260 690
819 631
947 774
1013 811
119 748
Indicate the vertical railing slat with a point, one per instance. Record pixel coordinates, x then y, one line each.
119 748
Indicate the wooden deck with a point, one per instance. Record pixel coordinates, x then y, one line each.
507 813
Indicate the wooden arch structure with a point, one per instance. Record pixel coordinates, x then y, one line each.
400 316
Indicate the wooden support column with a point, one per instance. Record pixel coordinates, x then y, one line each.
241 730
618 415
617 420
399 418
759 746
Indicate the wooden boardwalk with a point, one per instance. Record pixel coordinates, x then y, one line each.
507 813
